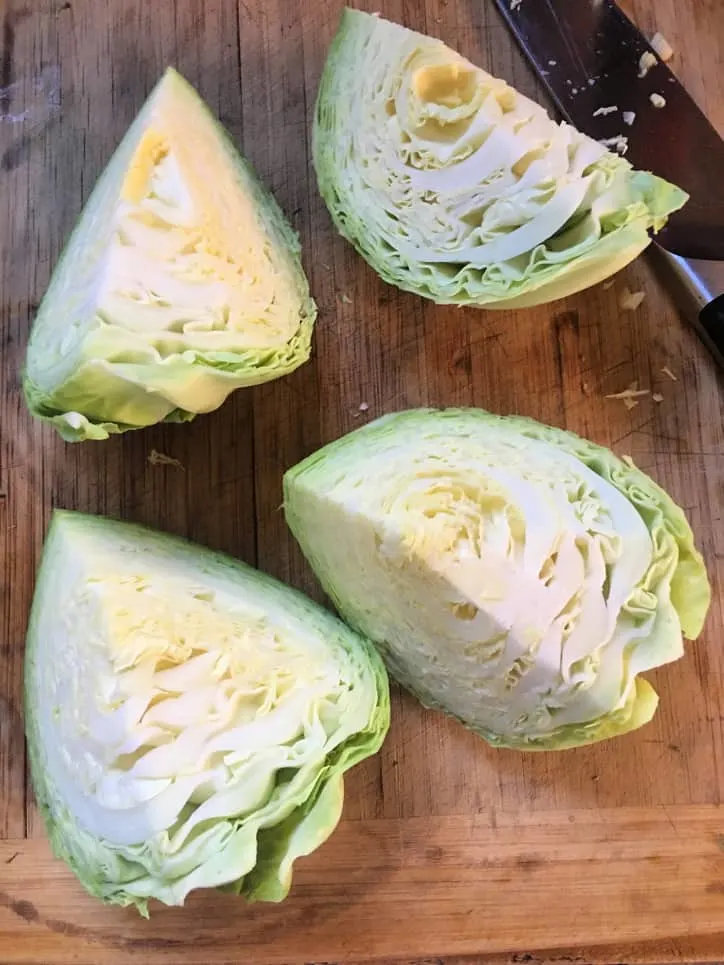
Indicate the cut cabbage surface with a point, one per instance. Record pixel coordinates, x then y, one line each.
453 185
189 719
512 574
181 282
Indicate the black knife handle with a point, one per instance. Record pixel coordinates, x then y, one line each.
698 287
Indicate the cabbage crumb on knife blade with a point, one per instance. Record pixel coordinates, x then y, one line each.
181 282
189 719
453 185
516 576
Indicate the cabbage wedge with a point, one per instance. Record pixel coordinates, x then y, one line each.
181 282
454 186
513 575
189 720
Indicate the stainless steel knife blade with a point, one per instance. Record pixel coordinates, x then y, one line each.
587 54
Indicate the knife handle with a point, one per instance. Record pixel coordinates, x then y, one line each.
698 288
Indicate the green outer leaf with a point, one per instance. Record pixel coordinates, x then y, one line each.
142 392
304 820
74 427
690 591
650 203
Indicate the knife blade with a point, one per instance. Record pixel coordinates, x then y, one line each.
587 54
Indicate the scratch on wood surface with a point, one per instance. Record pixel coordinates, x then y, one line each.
40 94
19 152
462 360
566 327
32 105
10 23
528 958
670 820
255 14
29 913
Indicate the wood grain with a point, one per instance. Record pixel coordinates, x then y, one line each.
449 851
478 873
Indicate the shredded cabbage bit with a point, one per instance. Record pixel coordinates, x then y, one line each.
513 575
189 720
454 186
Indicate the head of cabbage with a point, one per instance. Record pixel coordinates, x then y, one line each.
181 282
513 575
453 185
189 720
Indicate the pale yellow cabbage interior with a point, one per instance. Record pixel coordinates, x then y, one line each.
188 256
503 578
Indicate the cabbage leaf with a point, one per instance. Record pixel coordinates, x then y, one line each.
189 719
453 185
514 575
181 282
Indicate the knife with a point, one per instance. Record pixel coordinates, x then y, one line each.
588 55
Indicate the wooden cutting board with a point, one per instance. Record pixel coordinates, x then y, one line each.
447 849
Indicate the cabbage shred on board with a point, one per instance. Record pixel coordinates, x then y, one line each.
189 719
454 186
181 282
512 574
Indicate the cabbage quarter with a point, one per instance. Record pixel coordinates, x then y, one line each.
189 719
454 186
181 282
514 575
